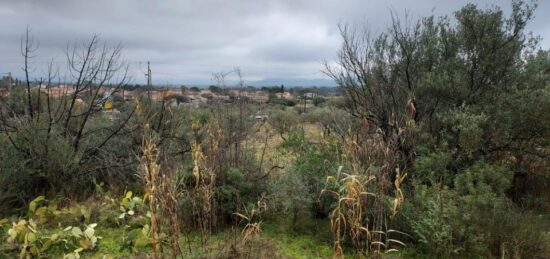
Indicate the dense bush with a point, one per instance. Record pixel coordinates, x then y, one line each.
318 100
463 95
283 121
234 192
312 166
283 102
474 218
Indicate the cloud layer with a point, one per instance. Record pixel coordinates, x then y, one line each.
187 41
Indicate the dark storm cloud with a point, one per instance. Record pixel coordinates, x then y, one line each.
186 41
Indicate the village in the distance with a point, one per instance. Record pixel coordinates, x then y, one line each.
194 96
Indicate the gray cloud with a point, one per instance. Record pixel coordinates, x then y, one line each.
186 41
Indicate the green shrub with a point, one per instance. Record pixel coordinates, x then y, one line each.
470 217
31 236
234 192
318 100
314 162
289 196
284 102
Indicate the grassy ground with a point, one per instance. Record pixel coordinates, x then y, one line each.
301 244
309 239
275 241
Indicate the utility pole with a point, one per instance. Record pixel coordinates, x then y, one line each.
149 80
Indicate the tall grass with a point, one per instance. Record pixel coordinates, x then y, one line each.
252 219
202 194
160 192
149 171
367 188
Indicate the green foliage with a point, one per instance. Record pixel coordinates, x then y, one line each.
234 192
283 102
46 212
433 169
49 165
432 228
132 208
480 87
482 179
473 218
318 100
283 121
468 126
31 238
314 244
272 90
290 196
311 168
136 239
214 89
40 159
130 215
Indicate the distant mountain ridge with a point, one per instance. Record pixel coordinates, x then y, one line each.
287 82
292 82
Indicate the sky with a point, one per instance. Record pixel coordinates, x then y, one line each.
187 41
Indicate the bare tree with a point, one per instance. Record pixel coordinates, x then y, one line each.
376 75
94 68
232 115
28 49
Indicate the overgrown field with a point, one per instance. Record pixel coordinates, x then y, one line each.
436 144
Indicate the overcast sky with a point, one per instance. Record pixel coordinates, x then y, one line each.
188 40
